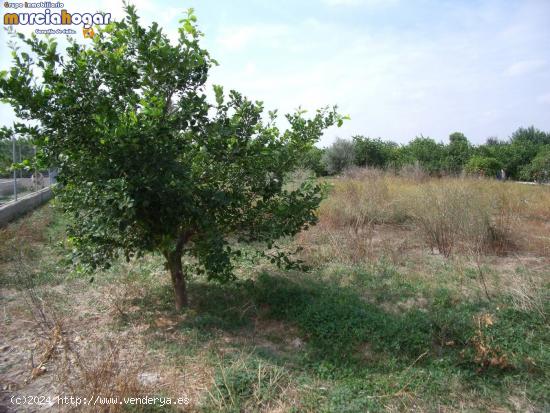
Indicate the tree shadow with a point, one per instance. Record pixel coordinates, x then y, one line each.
327 322
331 324
362 347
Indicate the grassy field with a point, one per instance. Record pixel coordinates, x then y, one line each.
422 295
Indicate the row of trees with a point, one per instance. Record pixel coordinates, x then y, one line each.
525 155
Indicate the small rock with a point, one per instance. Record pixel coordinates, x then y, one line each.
4 348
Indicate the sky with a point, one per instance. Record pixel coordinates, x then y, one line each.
399 68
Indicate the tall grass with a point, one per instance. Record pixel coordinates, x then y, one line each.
470 216
450 215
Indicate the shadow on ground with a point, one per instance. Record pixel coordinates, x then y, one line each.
339 327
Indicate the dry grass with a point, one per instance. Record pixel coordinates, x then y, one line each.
249 385
118 337
101 372
24 234
527 291
469 216
466 216
362 198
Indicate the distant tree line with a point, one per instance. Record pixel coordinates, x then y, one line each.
524 156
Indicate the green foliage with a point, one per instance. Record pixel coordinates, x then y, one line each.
457 153
513 156
531 136
146 163
313 160
373 152
30 252
525 143
486 166
426 152
499 150
6 155
539 168
339 156
337 320
24 154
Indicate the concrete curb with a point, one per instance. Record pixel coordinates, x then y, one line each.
12 210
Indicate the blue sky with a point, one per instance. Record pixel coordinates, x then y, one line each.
399 68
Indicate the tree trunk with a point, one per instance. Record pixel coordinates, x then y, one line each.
178 281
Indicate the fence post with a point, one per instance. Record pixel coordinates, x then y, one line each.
14 171
20 160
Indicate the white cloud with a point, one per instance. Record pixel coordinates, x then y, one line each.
396 83
237 38
525 67
544 99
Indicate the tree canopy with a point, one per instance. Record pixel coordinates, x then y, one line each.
539 168
147 163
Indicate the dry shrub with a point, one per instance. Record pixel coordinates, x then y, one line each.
504 219
413 172
464 215
534 237
486 354
42 310
351 246
48 347
360 199
470 216
93 372
357 201
534 199
100 372
85 369
442 213
347 246
363 174
121 293
532 206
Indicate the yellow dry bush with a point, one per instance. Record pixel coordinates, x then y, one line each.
463 215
